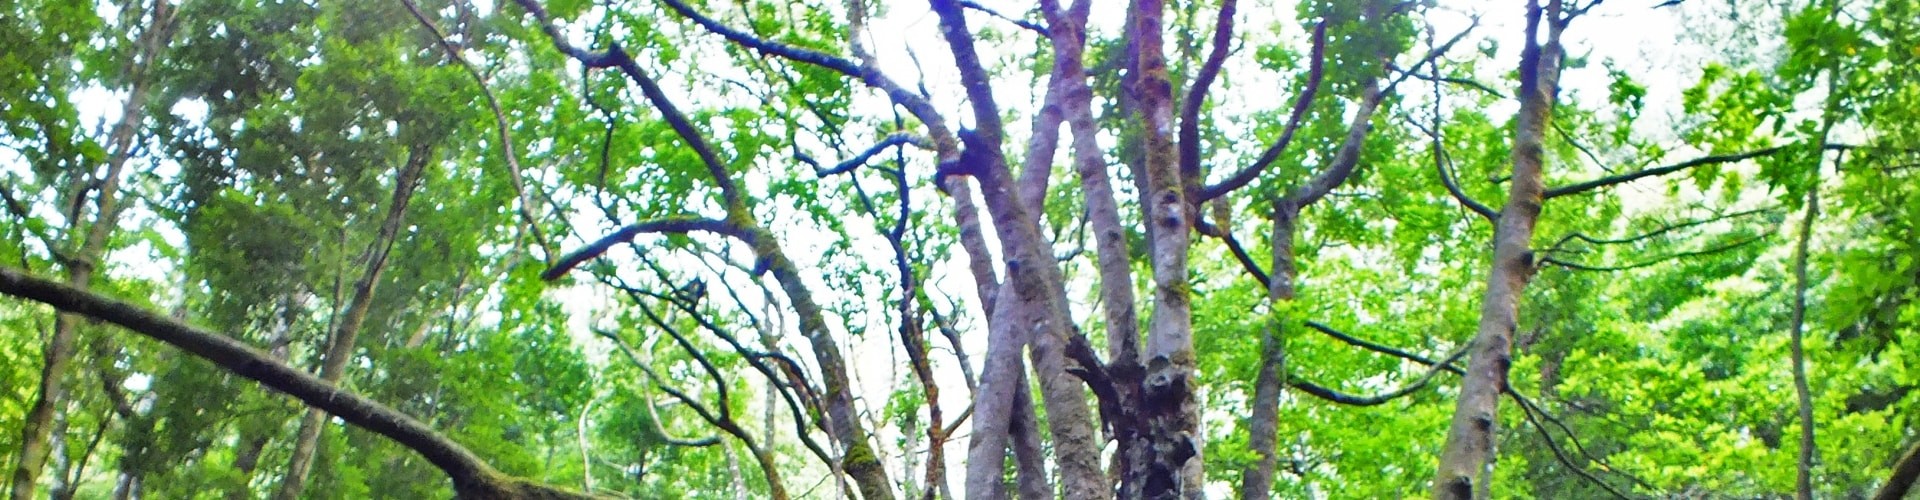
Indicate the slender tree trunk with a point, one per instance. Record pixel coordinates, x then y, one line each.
340 349
994 400
1264 423
1803 482
80 262
1029 458
859 460
61 457
1467 461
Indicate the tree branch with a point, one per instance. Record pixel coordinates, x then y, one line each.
1351 400
500 127
1343 162
1668 169
628 233
1905 471
1371 346
1189 141
1029 25
471 476
761 45
1315 72
861 159
1682 255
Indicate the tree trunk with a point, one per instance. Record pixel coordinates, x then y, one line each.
1803 481
1264 423
1164 461
80 262
340 349
1466 463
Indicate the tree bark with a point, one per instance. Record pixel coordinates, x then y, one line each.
1164 460
1034 276
334 364
1466 463
1905 471
1264 422
472 477
81 262
1803 482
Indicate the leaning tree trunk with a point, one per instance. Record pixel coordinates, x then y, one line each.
340 349
80 263
1466 463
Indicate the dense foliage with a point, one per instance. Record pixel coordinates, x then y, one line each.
673 248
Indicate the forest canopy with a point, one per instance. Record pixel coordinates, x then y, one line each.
960 249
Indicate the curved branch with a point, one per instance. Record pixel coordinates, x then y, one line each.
615 57
861 159
628 233
1612 180
1315 71
1559 454
1371 346
1028 25
761 45
1666 229
471 476
658 429
1637 265
1349 155
1197 93
1443 164
1351 400
500 127
1239 251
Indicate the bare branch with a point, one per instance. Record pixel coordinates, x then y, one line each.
1343 162
761 45
1558 245
1443 163
615 57
1239 251
1558 454
1351 400
1029 25
1433 55
1371 346
621 344
1682 255
861 159
1611 180
668 225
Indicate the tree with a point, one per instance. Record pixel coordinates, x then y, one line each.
798 249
